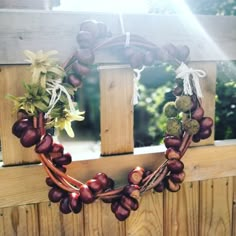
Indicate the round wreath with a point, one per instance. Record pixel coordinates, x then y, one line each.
48 102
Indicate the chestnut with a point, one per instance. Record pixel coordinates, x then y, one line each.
204 134
198 114
178 90
146 173
22 114
206 123
66 159
160 187
135 176
172 141
177 177
75 202
20 126
175 165
136 60
56 147
56 194
171 186
103 179
50 182
80 69
171 153
114 205
95 185
90 26
110 184
86 194
30 137
65 205
44 145
85 56
132 190
129 203
85 39
182 52
74 80
121 213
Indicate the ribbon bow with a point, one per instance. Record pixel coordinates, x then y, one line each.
185 73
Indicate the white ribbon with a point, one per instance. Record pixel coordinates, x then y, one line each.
55 88
185 73
135 90
127 34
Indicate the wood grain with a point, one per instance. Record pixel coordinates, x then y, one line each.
26 184
20 220
234 209
148 219
53 223
216 207
211 39
181 211
116 109
11 82
99 220
208 87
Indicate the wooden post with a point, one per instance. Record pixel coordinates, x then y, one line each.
116 87
11 82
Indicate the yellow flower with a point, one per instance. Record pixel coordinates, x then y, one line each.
41 64
65 122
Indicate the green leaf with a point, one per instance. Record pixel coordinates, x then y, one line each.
41 106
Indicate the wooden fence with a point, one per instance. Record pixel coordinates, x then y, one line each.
205 205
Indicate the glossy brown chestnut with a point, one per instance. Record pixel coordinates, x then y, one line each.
177 177
160 187
198 114
86 194
175 165
56 194
75 203
30 137
65 205
102 178
135 176
121 213
206 123
85 56
172 141
20 126
129 203
66 159
171 153
44 145
95 185
132 190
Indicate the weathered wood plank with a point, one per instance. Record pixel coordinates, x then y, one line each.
20 220
9 84
215 216
148 219
25 184
211 39
116 92
181 210
52 222
208 86
99 220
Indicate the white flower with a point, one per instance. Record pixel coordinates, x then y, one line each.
41 64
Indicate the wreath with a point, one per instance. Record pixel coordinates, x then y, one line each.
48 103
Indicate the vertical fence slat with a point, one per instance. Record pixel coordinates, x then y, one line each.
116 86
216 199
52 222
20 220
99 220
11 82
208 86
148 219
181 211
234 209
